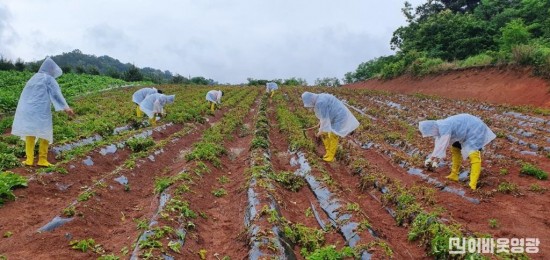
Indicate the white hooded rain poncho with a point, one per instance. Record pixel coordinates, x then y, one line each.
141 94
468 130
270 86
155 103
33 116
334 116
214 96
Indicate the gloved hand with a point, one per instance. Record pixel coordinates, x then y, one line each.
428 162
434 164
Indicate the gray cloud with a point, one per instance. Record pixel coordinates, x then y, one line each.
104 36
8 36
222 40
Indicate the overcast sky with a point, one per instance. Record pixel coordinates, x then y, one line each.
227 41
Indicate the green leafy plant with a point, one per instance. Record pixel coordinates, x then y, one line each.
181 207
532 170
175 246
82 245
140 144
493 223
352 207
86 195
108 257
141 224
503 171
330 252
69 211
289 180
259 142
219 192
8 234
161 184
309 212
8 161
310 239
8 181
223 179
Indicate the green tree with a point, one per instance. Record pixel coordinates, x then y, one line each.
179 79
19 65
445 35
199 81
133 74
514 33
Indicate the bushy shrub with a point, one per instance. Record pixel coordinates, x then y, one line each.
393 69
482 59
423 66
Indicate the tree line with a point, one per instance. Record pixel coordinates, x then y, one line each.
445 34
80 63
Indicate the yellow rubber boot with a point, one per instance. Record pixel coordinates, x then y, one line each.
153 120
326 143
212 106
333 146
29 150
456 159
43 153
139 113
272 93
475 171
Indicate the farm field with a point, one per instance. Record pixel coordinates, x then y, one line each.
248 182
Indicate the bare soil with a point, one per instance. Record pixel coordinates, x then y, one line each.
501 85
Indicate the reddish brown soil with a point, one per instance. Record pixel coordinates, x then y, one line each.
105 217
223 233
508 85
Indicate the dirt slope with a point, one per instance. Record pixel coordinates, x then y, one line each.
509 85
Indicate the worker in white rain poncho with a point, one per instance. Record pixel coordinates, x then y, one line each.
335 120
467 134
153 105
271 87
140 95
33 116
214 97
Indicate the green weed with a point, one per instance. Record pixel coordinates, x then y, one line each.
219 192
140 144
69 211
532 170
86 195
181 207
223 179
507 187
162 183
352 207
108 257
493 223
288 180
330 252
537 188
